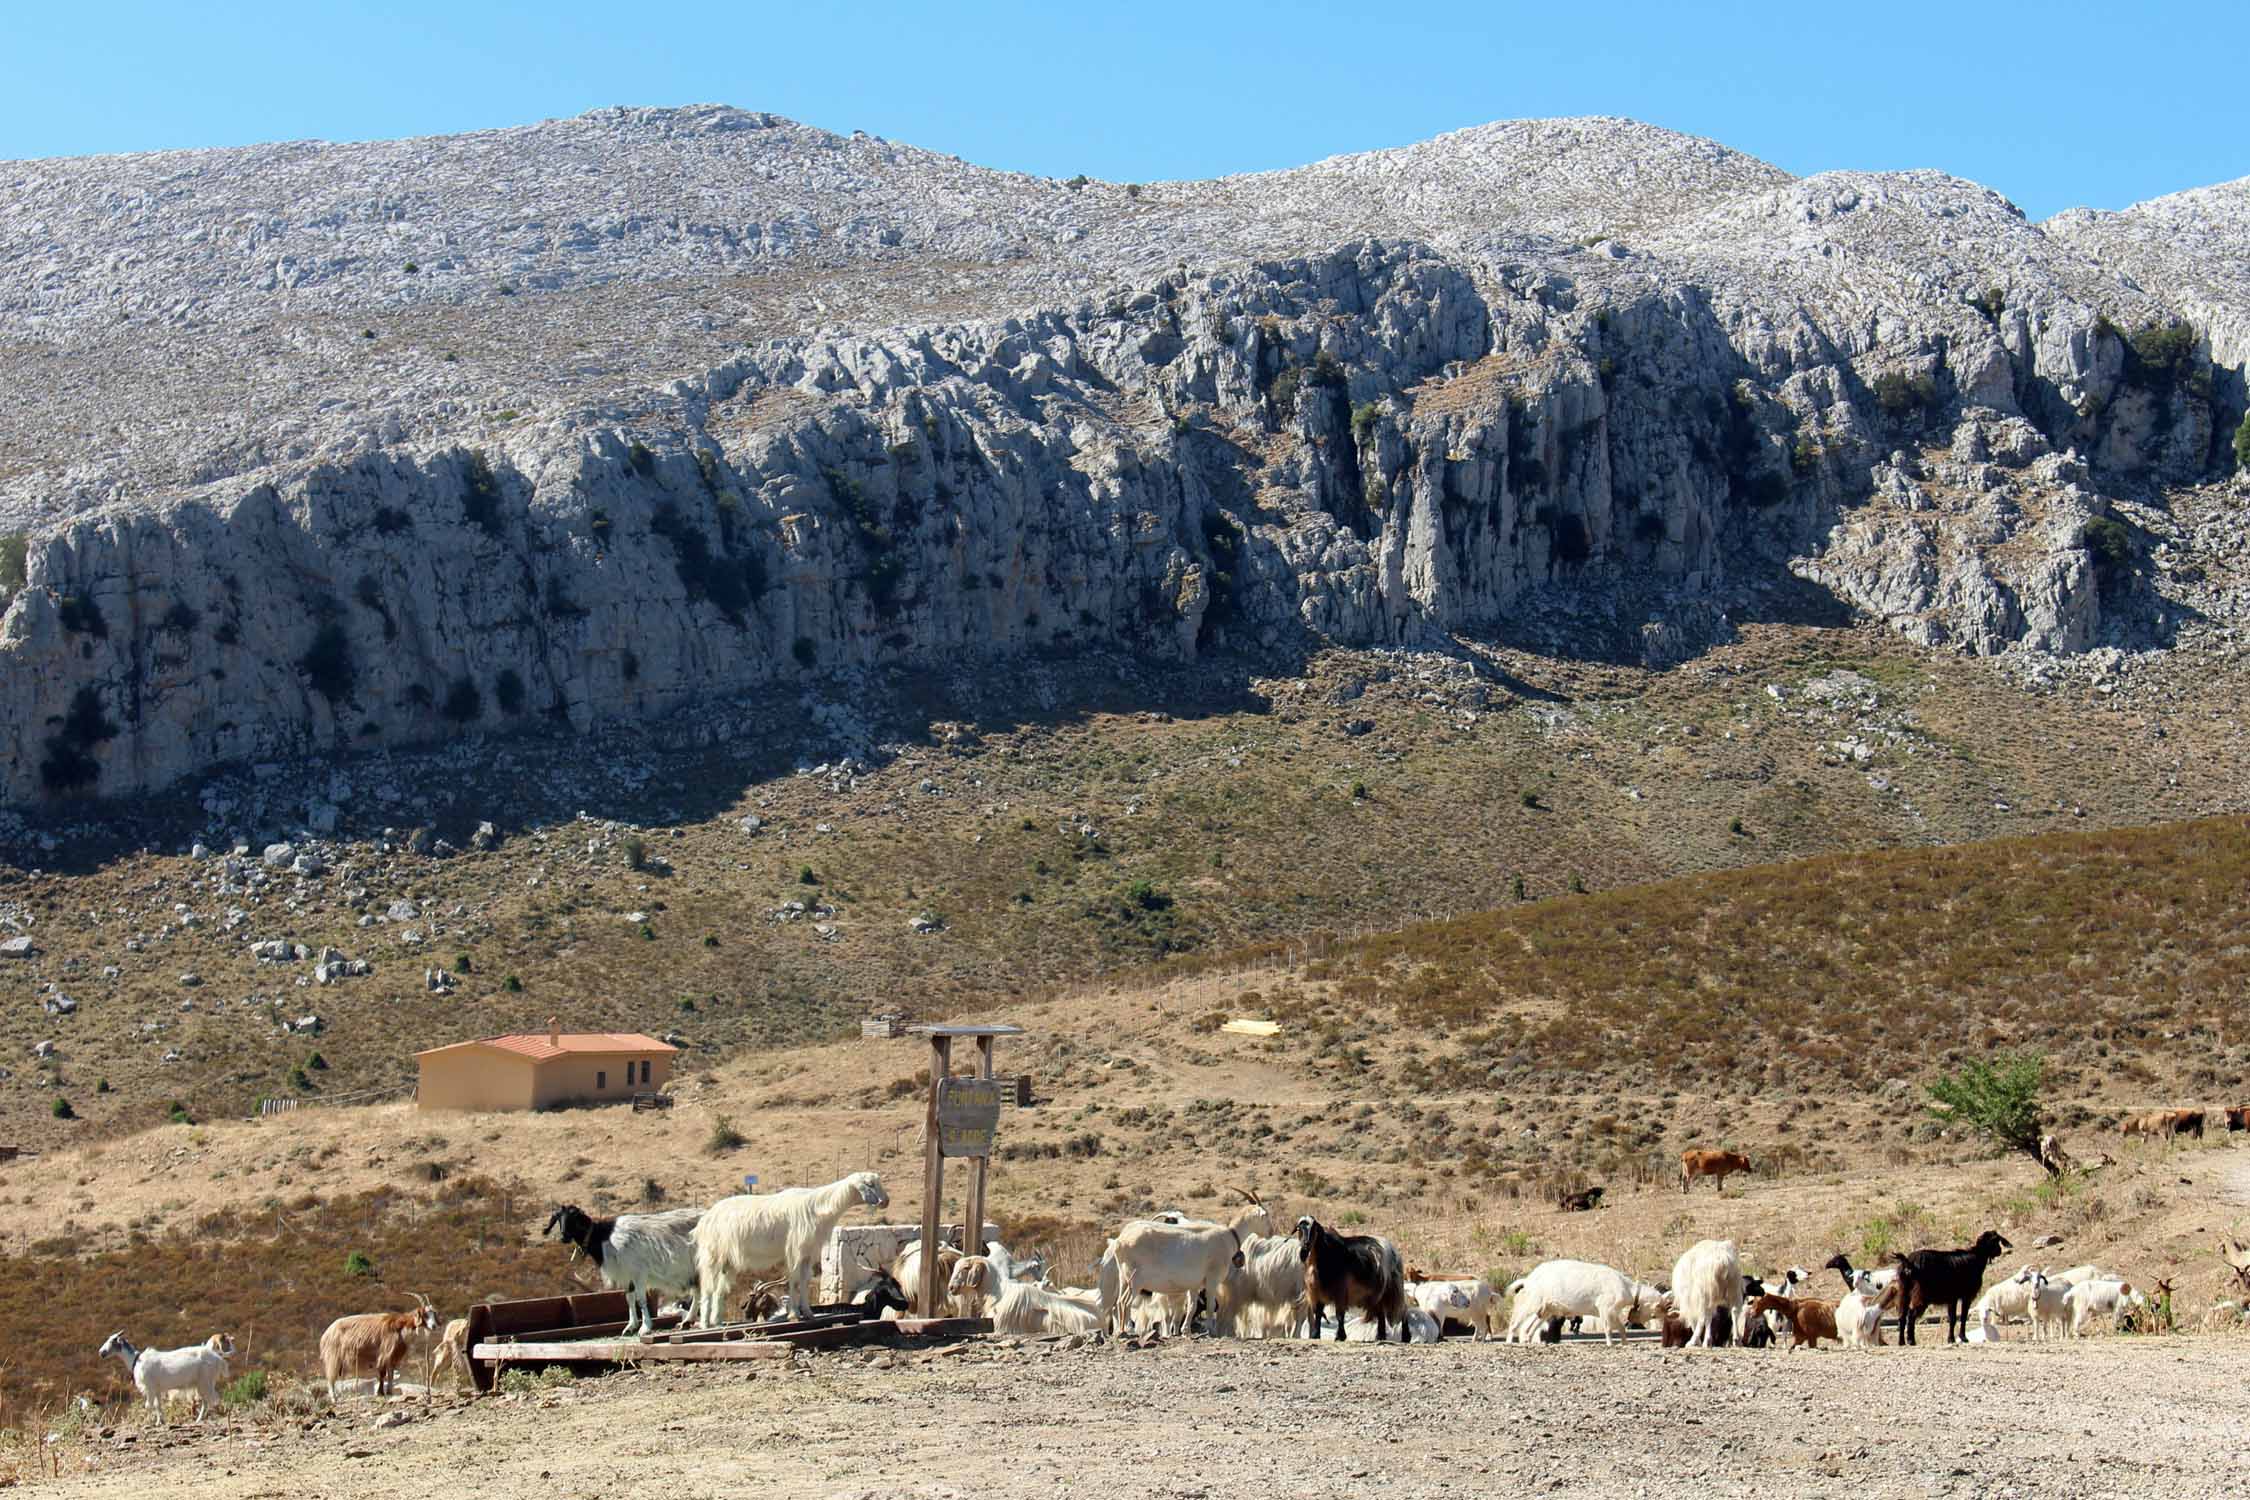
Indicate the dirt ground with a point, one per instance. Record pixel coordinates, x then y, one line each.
1193 1418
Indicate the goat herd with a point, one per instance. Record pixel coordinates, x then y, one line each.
1173 1273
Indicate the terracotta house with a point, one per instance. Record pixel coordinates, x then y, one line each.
539 1072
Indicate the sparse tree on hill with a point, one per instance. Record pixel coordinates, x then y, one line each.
1998 1098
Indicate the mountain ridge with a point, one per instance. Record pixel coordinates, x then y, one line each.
732 399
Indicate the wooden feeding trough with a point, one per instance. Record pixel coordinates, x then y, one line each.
582 1330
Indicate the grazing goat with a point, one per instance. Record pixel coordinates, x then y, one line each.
1928 1278
372 1344
157 1373
1352 1270
1186 1258
638 1254
2089 1300
1578 1289
774 1233
452 1349
1810 1319
1707 1287
1718 1165
1859 1315
1263 1296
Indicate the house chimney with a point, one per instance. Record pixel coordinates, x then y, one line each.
554 1033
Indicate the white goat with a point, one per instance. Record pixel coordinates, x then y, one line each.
1706 1281
2013 1298
1469 1301
1421 1328
1580 1289
1859 1314
2090 1300
774 1233
1186 1258
2050 1308
1265 1295
1022 1307
641 1255
158 1373
906 1270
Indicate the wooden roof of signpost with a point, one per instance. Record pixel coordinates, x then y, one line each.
949 1030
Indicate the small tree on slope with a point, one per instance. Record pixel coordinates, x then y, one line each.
1998 1098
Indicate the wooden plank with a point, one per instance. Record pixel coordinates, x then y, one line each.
759 1330
933 1174
980 1164
623 1354
940 1327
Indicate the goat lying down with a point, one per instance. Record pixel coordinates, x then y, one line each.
1020 1307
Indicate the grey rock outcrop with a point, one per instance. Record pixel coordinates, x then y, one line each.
1371 401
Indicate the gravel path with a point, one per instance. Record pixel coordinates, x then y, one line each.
2105 1417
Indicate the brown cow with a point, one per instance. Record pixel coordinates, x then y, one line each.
2167 1123
1718 1164
2238 1117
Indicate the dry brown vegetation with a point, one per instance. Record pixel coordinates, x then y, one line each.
1066 843
1838 970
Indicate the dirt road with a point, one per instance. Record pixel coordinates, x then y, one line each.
2114 1416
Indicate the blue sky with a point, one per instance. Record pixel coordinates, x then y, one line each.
2054 103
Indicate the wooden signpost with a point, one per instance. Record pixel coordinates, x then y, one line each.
964 1114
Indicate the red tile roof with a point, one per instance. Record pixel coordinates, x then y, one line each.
538 1048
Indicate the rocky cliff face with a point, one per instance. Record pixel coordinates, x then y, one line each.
1891 386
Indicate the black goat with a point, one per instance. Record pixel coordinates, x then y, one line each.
1355 1270
1953 1277
882 1291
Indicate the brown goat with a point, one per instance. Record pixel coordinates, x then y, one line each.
452 1349
1718 1164
372 1344
1810 1319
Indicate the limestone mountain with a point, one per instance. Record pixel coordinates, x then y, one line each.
328 446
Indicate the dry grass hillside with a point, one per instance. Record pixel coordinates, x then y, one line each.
1419 1083
1060 831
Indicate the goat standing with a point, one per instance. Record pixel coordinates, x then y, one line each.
372 1344
639 1254
1953 1277
773 1233
1348 1271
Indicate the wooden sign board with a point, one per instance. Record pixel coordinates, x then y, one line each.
968 1111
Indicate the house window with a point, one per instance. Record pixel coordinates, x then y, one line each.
601 1080
644 1070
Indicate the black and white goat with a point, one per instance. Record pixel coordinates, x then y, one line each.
158 1373
639 1255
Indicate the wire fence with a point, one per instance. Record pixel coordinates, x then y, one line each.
363 1096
